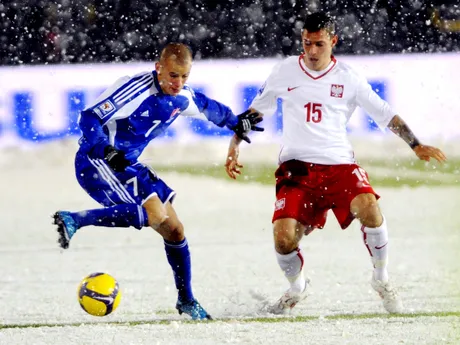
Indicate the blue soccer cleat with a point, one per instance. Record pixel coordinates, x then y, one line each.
192 308
67 227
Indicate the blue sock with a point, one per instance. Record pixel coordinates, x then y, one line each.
123 216
178 256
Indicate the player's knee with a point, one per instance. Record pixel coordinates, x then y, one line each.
173 232
158 217
366 209
156 212
370 217
285 239
373 221
177 232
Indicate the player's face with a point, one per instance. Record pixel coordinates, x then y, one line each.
172 76
318 48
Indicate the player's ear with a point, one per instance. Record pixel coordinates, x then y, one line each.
157 67
334 40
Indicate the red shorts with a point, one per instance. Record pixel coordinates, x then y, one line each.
306 191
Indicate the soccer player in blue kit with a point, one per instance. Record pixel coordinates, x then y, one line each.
115 131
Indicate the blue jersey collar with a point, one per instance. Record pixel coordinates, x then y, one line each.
156 82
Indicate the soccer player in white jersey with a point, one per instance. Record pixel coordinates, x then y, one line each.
317 170
115 131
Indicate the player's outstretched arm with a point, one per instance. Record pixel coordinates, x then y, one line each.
423 152
221 115
232 164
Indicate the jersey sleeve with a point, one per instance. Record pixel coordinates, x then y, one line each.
216 112
380 111
93 132
265 101
93 117
107 105
122 92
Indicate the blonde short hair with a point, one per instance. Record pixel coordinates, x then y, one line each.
180 52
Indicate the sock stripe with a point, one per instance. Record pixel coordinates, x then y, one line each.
299 254
178 255
376 240
175 244
365 240
121 215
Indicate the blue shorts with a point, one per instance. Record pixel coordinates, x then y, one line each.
134 186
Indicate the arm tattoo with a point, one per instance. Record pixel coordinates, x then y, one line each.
402 130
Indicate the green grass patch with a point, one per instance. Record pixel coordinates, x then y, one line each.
395 173
414 164
166 312
254 173
242 320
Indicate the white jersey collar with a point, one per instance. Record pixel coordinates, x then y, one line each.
316 74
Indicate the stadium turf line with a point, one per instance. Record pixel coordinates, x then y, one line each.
239 319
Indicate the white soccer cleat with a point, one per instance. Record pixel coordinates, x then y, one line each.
288 301
391 300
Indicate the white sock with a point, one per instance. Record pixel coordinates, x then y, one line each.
292 266
376 241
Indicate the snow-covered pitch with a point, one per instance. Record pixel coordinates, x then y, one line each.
228 225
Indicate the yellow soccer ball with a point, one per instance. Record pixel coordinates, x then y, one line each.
99 294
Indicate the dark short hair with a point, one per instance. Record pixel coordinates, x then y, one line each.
317 21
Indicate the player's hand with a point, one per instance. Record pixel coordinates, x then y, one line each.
247 122
115 159
232 166
425 153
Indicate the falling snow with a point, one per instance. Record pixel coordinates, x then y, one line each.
232 257
66 31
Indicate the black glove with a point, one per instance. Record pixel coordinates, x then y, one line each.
247 122
115 159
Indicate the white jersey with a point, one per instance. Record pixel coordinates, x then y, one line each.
317 107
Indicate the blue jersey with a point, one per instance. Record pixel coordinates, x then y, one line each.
133 111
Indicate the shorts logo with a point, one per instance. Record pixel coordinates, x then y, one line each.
336 91
279 204
105 109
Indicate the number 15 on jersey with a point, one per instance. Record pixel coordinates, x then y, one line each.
314 112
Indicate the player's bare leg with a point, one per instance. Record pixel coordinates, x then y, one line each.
157 213
287 234
163 218
375 235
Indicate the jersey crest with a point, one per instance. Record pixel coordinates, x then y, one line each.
104 109
173 114
337 90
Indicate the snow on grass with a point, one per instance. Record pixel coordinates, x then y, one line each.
228 226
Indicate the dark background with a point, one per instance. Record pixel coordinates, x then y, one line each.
69 31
